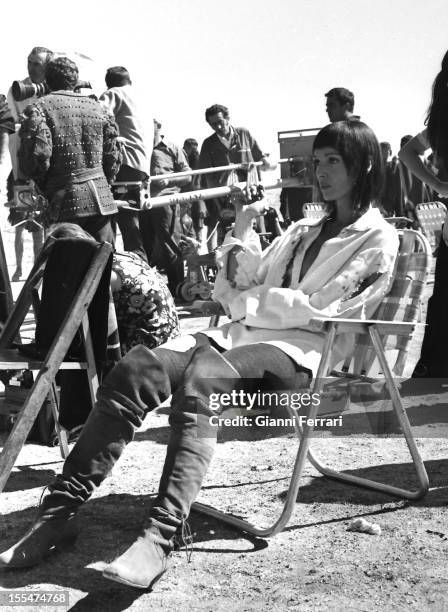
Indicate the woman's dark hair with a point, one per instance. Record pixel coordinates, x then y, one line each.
437 118
359 148
61 73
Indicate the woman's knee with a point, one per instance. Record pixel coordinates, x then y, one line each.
140 377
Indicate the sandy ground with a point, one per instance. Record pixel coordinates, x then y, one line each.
314 564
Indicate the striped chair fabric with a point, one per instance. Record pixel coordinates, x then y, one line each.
402 302
431 217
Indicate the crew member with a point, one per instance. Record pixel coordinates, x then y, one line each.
227 145
120 100
37 63
160 226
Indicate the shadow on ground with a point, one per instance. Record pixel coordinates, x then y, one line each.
108 526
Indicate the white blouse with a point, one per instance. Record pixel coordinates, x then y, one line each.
349 277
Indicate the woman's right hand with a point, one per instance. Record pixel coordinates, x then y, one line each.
239 199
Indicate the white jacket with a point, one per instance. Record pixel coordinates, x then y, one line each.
263 311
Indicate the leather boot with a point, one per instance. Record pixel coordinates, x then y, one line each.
190 450
143 563
46 535
138 383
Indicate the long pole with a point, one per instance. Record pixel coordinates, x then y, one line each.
285 160
207 194
212 170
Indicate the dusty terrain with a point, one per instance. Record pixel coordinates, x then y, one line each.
315 564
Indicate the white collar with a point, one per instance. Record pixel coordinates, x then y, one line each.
226 141
370 218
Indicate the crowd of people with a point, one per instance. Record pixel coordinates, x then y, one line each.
338 266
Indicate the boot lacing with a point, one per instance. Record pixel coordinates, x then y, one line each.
187 538
38 511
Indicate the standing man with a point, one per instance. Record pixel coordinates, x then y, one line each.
69 146
37 63
340 104
7 127
409 189
121 102
160 226
198 207
227 145
390 193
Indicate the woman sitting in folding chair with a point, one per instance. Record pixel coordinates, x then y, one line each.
342 266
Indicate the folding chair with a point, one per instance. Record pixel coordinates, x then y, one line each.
431 216
390 329
75 275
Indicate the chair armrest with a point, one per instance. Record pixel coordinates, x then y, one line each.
203 308
360 326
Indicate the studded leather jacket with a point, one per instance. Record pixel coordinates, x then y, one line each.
69 148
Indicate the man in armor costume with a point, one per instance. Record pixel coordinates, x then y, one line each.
69 147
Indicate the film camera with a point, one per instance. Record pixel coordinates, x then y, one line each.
29 203
22 91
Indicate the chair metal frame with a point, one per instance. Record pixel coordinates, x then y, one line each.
375 330
75 318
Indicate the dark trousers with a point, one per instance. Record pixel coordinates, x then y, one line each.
99 226
433 362
127 220
140 382
160 234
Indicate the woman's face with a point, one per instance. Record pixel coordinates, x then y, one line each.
334 179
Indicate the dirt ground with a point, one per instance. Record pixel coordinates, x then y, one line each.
314 564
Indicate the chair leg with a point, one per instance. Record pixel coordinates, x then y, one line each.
60 431
301 457
22 426
407 432
92 374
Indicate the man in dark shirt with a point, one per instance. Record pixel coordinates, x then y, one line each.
227 145
340 104
160 226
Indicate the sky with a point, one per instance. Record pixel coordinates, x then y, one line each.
269 61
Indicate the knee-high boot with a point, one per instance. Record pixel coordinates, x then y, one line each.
190 449
137 384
